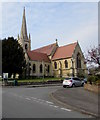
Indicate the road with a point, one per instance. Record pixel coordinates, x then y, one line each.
79 99
20 102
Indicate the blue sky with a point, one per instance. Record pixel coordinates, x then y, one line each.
47 21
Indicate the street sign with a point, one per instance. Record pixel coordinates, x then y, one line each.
5 75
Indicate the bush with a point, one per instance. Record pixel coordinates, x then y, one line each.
81 74
93 79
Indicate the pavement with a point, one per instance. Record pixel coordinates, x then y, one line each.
30 86
0 83
77 99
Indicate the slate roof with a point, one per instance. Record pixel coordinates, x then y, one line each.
64 51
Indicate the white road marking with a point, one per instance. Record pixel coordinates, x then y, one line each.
38 101
56 106
49 102
34 98
42 100
51 105
27 98
66 109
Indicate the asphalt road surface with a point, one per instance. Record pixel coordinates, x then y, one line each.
20 102
79 99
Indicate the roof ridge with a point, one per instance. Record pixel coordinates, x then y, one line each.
44 46
37 52
67 44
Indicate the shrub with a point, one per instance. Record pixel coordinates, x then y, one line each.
93 79
81 74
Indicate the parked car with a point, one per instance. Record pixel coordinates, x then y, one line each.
72 82
85 80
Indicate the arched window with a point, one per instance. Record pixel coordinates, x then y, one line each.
25 46
55 65
48 68
41 68
34 68
78 60
66 64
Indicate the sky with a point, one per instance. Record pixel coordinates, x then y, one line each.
47 21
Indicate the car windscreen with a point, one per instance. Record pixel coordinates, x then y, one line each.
67 78
76 79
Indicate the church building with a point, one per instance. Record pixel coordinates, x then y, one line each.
51 60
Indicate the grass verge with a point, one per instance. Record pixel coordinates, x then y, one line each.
40 80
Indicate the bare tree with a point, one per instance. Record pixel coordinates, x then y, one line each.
93 56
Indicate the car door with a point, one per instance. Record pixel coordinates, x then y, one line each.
75 81
78 82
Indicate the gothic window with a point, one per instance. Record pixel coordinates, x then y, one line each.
41 68
25 46
48 68
55 65
66 64
34 68
78 60
45 67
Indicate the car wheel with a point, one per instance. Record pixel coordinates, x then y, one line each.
82 84
73 85
64 86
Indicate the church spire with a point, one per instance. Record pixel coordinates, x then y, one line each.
23 34
24 40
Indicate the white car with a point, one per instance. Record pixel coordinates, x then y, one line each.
72 82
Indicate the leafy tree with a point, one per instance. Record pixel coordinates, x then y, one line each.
13 58
93 56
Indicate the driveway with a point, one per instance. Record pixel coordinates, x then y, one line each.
78 99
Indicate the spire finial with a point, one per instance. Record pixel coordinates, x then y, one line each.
24 9
56 41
